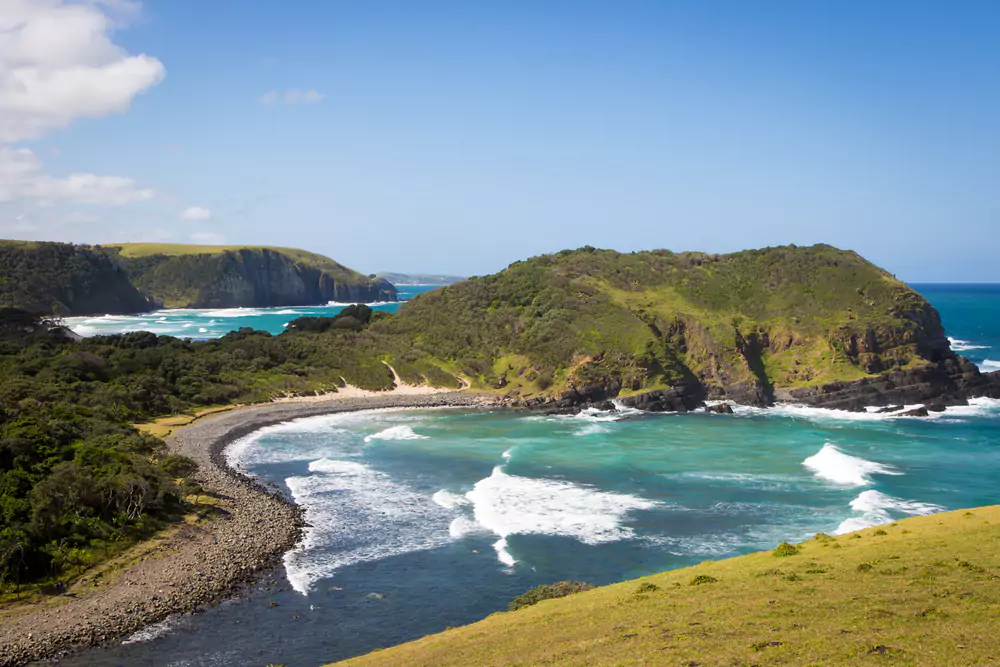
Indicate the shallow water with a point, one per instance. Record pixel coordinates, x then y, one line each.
205 323
427 519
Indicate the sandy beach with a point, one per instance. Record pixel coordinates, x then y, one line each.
190 565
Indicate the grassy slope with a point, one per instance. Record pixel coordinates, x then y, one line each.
652 319
133 250
925 591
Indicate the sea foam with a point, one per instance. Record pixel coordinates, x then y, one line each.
834 465
357 514
874 508
964 345
400 432
512 505
988 365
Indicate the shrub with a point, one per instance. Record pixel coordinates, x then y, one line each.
785 549
547 592
647 587
703 579
176 465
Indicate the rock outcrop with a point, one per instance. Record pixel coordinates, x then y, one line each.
250 278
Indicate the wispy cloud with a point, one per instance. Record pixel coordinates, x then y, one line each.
291 97
195 214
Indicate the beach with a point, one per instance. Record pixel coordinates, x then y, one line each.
190 565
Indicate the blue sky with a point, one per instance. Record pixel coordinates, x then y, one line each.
459 137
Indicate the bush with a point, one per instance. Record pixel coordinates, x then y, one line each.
785 549
176 465
547 592
703 579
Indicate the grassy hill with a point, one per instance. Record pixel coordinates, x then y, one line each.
750 322
924 591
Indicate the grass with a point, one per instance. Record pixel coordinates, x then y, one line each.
924 593
164 426
179 249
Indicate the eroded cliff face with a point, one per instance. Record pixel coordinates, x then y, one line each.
250 278
63 279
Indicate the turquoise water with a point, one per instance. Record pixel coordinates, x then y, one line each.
422 520
207 323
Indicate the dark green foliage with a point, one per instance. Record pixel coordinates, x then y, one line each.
353 317
63 279
647 587
176 465
547 592
702 579
74 473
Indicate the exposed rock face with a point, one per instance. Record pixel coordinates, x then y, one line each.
949 382
251 277
952 381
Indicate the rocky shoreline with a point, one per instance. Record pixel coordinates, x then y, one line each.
196 564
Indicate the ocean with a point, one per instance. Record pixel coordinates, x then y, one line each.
425 519
206 323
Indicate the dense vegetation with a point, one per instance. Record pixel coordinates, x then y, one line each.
63 279
779 317
76 478
75 474
921 592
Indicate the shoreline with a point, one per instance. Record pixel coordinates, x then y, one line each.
190 566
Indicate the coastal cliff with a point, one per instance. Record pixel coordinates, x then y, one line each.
65 279
231 277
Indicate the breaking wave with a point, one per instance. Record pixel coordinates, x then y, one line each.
834 465
875 507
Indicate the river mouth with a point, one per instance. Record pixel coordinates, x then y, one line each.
425 519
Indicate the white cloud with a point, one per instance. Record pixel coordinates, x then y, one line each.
196 213
58 63
291 97
208 238
22 176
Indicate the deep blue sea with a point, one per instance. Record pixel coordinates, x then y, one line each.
427 519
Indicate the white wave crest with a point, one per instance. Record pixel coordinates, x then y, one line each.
988 365
400 432
449 500
370 303
834 465
511 505
964 345
822 414
232 312
151 632
357 514
875 507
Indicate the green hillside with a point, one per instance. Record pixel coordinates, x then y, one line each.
924 591
749 322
